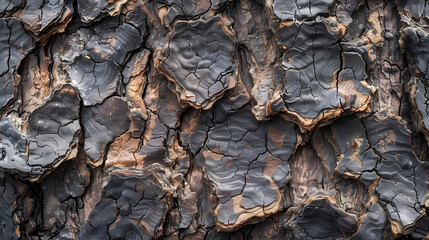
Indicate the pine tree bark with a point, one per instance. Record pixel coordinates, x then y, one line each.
199 119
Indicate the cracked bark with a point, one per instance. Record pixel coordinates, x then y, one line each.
204 119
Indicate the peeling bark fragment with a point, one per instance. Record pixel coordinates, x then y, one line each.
15 43
94 55
246 172
372 223
299 9
320 81
357 159
133 205
117 43
378 151
113 39
408 190
51 136
46 17
321 76
102 124
90 10
171 10
95 81
151 138
200 68
53 128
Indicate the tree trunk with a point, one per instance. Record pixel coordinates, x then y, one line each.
198 119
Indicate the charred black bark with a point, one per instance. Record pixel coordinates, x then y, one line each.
200 119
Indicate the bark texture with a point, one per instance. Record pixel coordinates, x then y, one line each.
214 119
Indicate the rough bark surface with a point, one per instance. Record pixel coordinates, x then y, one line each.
214 119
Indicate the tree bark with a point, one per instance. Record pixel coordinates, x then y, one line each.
199 119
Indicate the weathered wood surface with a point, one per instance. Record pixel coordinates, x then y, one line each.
200 119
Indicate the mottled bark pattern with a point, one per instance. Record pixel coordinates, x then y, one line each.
214 119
